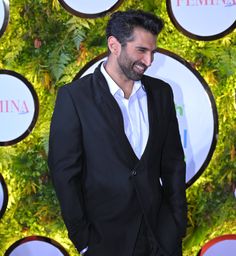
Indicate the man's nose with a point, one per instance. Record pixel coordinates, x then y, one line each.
148 59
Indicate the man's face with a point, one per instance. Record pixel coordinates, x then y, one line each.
137 55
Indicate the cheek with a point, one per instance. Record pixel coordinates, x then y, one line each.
136 57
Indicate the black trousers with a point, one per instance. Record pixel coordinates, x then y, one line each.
144 245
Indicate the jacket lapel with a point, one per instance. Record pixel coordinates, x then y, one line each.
153 116
112 113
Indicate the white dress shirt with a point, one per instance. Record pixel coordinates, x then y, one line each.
134 111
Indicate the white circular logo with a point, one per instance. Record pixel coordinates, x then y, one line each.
4 15
90 9
203 19
18 107
3 196
223 245
35 246
195 107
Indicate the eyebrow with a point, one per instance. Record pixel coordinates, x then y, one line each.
144 48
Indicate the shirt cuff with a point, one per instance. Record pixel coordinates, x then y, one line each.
83 251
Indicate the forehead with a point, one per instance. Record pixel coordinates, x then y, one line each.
142 37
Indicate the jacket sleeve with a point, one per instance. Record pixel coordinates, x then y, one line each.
65 160
174 170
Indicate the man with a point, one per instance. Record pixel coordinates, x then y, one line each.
114 135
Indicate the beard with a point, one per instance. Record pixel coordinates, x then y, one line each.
133 70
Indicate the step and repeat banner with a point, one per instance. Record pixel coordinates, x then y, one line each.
224 245
4 15
19 107
90 9
3 196
203 19
195 106
35 246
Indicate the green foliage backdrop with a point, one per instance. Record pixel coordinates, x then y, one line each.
49 46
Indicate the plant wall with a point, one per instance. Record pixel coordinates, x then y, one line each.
49 46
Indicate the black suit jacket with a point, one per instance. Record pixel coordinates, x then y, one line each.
103 188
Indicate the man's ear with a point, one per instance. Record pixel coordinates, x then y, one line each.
113 45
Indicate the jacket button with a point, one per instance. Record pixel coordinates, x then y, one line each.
133 173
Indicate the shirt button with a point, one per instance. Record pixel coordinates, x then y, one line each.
133 173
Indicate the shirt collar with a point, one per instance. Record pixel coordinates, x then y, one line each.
113 86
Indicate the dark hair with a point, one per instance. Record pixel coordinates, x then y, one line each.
122 24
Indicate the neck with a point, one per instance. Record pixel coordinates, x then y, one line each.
120 79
